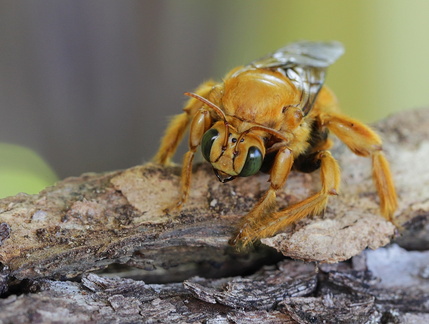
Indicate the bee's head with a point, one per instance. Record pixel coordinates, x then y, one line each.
232 154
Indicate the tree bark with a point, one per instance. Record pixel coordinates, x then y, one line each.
114 223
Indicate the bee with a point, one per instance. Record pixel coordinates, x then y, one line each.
274 115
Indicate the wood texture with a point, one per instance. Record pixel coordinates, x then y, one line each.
113 223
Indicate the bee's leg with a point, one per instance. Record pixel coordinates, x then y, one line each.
365 142
200 123
177 126
172 137
252 221
330 176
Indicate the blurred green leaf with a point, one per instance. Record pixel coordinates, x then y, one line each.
22 170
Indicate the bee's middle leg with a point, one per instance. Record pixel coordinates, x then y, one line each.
365 142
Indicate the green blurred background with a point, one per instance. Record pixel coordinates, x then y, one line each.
88 85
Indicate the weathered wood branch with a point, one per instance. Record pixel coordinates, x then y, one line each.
291 292
89 222
94 221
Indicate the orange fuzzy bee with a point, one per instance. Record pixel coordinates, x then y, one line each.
274 114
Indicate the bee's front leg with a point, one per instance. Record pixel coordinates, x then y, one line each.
200 123
178 125
271 224
251 223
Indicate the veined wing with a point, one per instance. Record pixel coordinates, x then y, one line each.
304 63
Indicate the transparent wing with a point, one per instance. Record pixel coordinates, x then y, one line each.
304 63
304 53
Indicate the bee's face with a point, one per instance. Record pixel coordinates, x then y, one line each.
232 154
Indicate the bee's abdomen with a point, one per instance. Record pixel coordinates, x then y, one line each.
308 161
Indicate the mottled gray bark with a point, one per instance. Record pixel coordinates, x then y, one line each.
114 223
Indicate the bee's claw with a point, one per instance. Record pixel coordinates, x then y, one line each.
243 238
173 207
234 241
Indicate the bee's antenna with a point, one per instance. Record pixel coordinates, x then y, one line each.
208 103
218 111
271 131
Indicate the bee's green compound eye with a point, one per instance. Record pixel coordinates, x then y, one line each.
253 162
207 142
